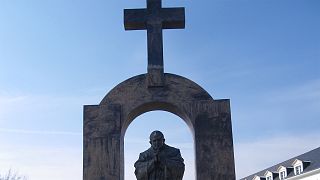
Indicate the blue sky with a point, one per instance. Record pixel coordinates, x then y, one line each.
56 56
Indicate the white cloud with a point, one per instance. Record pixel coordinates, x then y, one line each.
257 155
307 91
39 163
42 111
25 131
7 103
25 145
13 102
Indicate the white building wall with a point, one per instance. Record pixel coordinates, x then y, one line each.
312 175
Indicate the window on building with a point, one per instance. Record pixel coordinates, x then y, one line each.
269 177
298 170
282 175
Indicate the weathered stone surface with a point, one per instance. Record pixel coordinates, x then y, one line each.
101 142
153 19
209 120
155 77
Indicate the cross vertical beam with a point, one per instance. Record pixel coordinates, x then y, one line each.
153 19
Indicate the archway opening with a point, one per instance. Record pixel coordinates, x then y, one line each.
175 130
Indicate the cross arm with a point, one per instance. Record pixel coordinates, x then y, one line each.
135 19
173 18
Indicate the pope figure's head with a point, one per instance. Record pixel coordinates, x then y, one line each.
156 140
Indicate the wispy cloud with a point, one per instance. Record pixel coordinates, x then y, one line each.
8 102
41 111
308 91
25 131
38 162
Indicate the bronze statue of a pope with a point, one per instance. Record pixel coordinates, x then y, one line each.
160 161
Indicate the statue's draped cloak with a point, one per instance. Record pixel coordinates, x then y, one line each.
170 168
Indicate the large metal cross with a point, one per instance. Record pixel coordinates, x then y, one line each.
154 18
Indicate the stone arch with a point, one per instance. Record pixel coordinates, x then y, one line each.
173 98
164 106
209 120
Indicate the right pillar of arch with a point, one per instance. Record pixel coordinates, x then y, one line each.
213 141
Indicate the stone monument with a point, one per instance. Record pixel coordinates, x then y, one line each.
209 119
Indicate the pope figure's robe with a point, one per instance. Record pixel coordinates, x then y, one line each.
170 167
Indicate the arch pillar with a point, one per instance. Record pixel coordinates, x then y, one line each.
209 120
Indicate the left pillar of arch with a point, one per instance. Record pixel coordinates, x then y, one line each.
102 142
